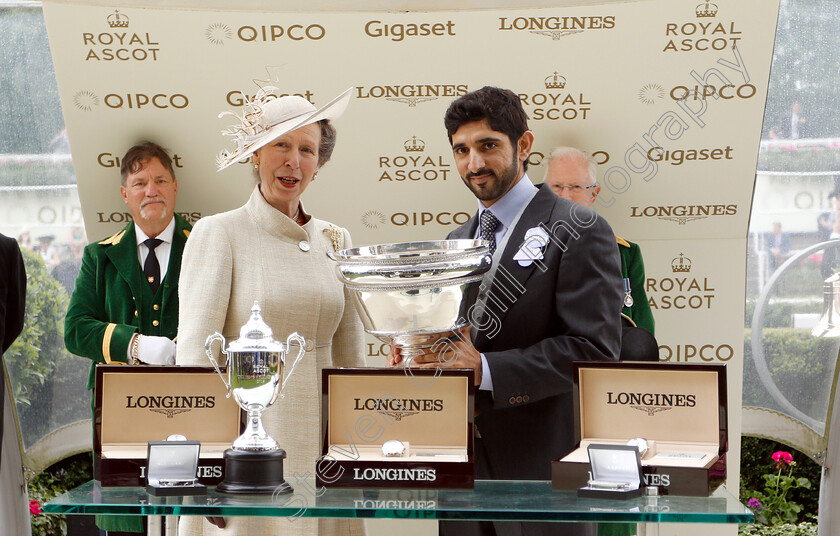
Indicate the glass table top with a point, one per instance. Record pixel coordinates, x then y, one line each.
490 500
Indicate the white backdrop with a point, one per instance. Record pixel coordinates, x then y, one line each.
668 96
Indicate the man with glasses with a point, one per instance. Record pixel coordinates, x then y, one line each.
124 308
571 174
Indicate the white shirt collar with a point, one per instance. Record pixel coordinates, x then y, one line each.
166 235
511 204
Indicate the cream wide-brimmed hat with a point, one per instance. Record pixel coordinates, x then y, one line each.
268 117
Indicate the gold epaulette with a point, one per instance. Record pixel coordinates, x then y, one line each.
113 240
622 242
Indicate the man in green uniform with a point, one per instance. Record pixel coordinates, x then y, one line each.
571 174
124 308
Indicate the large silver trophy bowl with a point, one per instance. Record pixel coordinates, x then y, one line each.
255 378
412 294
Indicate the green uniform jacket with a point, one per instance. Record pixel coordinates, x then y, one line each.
633 267
112 299
111 302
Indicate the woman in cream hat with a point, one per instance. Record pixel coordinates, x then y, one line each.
272 251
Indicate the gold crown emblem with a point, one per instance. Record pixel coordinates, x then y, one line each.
414 145
555 81
681 264
115 20
707 9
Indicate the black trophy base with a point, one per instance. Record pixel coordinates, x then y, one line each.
252 473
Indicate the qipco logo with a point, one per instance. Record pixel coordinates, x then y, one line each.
139 101
726 92
417 219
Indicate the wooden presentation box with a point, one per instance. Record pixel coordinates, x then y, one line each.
135 405
679 409
429 411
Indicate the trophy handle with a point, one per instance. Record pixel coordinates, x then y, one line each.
208 349
301 342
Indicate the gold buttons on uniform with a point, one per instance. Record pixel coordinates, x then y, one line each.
155 323
136 314
518 399
155 307
526 398
512 400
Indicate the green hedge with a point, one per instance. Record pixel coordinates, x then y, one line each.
799 364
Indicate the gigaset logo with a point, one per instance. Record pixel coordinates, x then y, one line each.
237 98
398 32
109 160
677 157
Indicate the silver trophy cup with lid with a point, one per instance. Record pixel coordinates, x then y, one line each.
412 294
256 376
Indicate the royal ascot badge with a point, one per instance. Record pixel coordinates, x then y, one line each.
532 246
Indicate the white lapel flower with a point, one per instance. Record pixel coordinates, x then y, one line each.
531 248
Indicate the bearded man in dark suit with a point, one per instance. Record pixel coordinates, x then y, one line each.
553 296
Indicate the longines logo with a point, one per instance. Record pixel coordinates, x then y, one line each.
412 94
204 471
219 33
702 35
651 403
398 32
555 105
680 291
678 157
170 405
398 409
392 504
650 93
684 353
109 160
556 27
119 45
683 214
413 166
87 100
394 474
125 217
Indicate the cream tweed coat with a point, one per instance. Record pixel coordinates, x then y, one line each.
253 253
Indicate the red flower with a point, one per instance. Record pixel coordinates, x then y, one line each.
34 507
781 457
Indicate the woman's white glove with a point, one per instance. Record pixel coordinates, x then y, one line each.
155 350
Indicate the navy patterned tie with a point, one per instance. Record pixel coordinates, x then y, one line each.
152 267
489 222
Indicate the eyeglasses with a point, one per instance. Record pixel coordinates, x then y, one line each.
573 188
